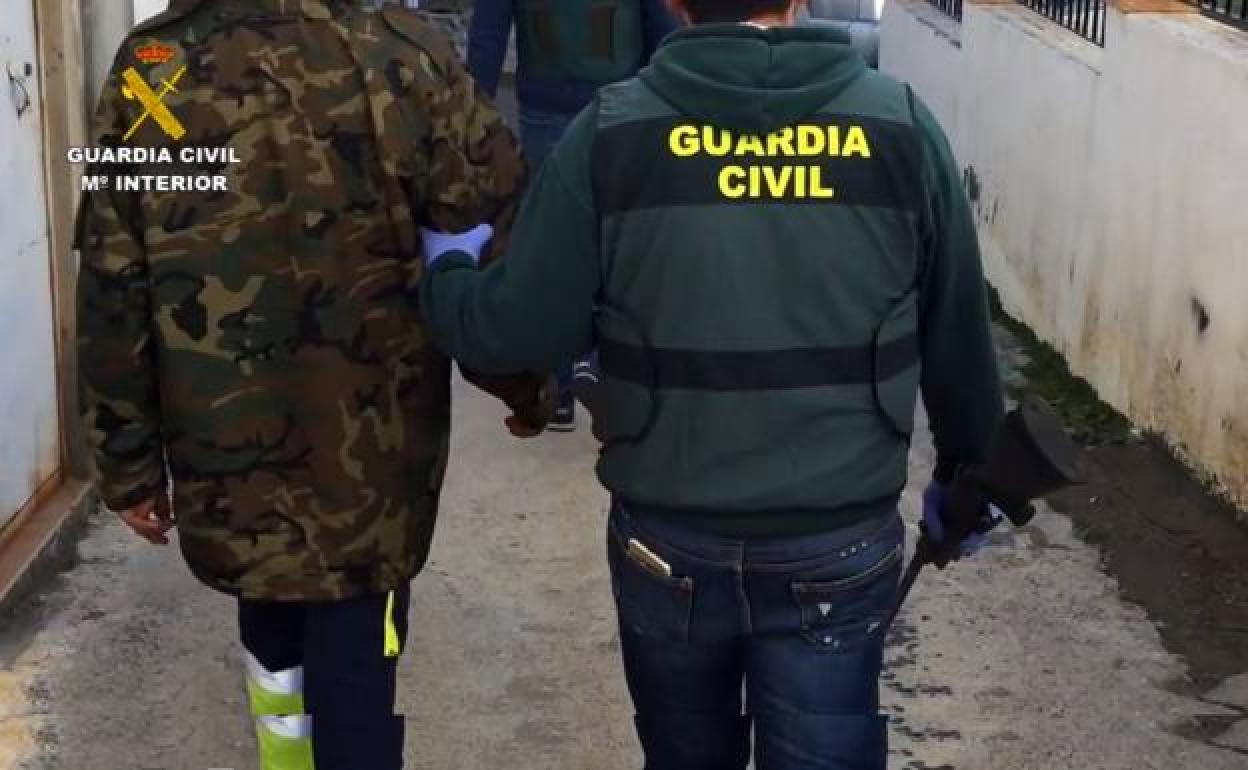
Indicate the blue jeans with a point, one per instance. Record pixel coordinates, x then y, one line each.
540 131
797 619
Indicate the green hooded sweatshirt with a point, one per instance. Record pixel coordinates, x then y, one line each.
769 245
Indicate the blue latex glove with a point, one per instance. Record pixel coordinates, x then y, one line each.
934 498
472 243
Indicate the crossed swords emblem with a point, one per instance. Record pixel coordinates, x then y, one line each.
136 88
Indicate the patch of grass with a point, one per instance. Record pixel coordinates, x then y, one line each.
1089 419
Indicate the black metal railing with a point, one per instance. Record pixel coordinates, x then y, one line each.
1230 11
949 7
1085 18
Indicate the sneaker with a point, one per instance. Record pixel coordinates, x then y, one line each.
564 418
585 374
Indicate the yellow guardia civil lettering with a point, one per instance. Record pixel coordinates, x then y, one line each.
775 182
738 181
805 141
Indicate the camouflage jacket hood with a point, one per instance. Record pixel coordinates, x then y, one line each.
261 347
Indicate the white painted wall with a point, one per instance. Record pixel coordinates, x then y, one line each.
29 428
145 9
1112 200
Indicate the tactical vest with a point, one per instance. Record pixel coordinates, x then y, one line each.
596 41
758 330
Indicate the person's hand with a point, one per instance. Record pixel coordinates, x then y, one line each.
472 243
521 428
938 532
151 519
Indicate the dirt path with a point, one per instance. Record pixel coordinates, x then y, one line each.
1177 551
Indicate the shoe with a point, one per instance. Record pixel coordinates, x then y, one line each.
586 385
585 374
564 418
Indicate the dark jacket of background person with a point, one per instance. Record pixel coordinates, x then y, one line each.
488 36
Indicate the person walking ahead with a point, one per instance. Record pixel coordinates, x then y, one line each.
782 258
260 349
566 50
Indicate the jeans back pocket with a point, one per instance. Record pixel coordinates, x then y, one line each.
841 615
651 602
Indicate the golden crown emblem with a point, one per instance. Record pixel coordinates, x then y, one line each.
155 53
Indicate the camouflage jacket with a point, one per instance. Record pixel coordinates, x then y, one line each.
260 348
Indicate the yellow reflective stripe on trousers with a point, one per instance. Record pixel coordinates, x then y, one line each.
274 693
392 646
273 704
285 743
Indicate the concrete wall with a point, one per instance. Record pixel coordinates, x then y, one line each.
1109 186
145 9
104 25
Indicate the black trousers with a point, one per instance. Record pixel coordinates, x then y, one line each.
349 680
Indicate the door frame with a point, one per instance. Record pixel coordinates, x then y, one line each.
61 50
